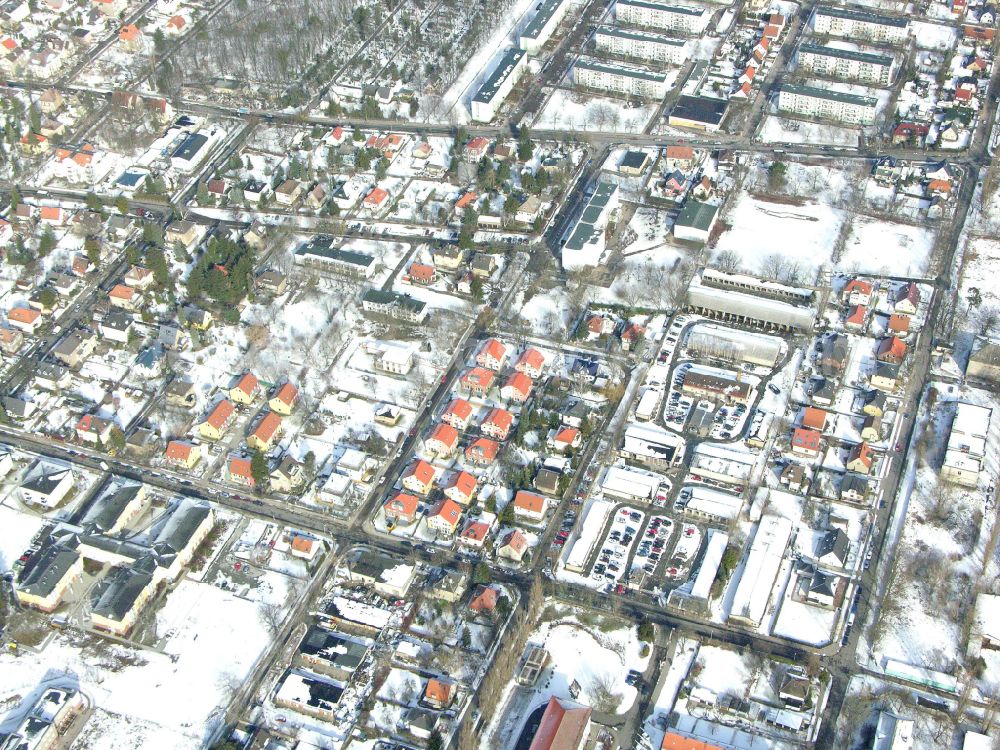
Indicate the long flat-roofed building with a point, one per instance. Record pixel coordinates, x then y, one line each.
621 79
828 104
672 17
641 45
586 242
761 570
859 24
747 308
848 64
540 28
966 451
498 84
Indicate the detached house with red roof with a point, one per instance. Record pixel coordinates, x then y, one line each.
422 274
861 458
218 420
183 455
517 388
375 200
493 355
483 452
806 443
240 472
130 37
24 319
401 508
529 506
497 424
513 545
438 694
262 438
94 430
564 439
442 441
476 149
531 363
284 400
857 292
124 297
458 414
891 350
245 390
474 534
419 477
814 419
477 381
444 517
484 600
856 318
907 299
461 488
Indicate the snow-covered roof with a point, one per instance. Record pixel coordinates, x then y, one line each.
761 568
715 547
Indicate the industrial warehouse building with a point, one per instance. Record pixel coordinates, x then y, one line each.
849 64
747 309
620 79
684 18
698 113
498 85
641 45
761 570
859 25
541 27
827 104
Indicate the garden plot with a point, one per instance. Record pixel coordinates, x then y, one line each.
887 248
811 228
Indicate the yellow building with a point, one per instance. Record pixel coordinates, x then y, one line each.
48 575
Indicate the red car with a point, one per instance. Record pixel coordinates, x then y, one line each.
619 589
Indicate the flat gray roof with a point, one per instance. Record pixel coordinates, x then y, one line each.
640 36
622 70
816 92
846 54
686 10
545 12
500 74
861 15
697 214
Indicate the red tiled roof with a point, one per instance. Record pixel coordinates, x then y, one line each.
422 471
529 502
806 439
287 394
220 414
268 427
561 728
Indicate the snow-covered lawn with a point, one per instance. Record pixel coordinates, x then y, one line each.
756 224
780 130
883 247
574 111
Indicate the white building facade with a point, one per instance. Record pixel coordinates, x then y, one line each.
683 18
642 45
810 101
847 64
860 25
498 85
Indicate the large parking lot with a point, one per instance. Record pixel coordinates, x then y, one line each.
613 559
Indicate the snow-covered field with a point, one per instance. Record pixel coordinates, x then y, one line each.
573 111
781 130
757 225
875 246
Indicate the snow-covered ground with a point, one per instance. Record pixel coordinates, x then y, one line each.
883 247
575 111
781 130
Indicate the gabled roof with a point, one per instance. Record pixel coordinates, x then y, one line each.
464 482
529 502
287 394
448 510
562 727
500 418
862 452
806 439
532 358
178 450
402 503
833 542
460 408
494 348
446 434
220 414
484 599
248 383
519 382
268 427
422 471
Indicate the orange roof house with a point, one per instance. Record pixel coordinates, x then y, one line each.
438 694
899 323
442 441
530 363
493 355
861 458
461 488
891 350
419 477
421 273
245 389
517 388
284 400
457 414
856 318
497 424
529 505
478 380
814 418
566 438
262 437
483 452
674 741
401 507
240 471
474 534
484 599
375 198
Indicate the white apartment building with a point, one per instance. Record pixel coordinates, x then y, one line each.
541 27
843 63
859 25
684 18
642 45
498 84
621 79
826 104
966 452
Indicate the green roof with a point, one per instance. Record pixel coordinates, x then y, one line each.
697 214
348 257
846 54
583 233
816 92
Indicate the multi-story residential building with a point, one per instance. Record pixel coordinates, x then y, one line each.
859 24
827 104
498 84
621 79
545 21
394 305
684 18
642 45
845 63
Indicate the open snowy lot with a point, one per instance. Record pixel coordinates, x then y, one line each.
782 130
571 110
875 246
